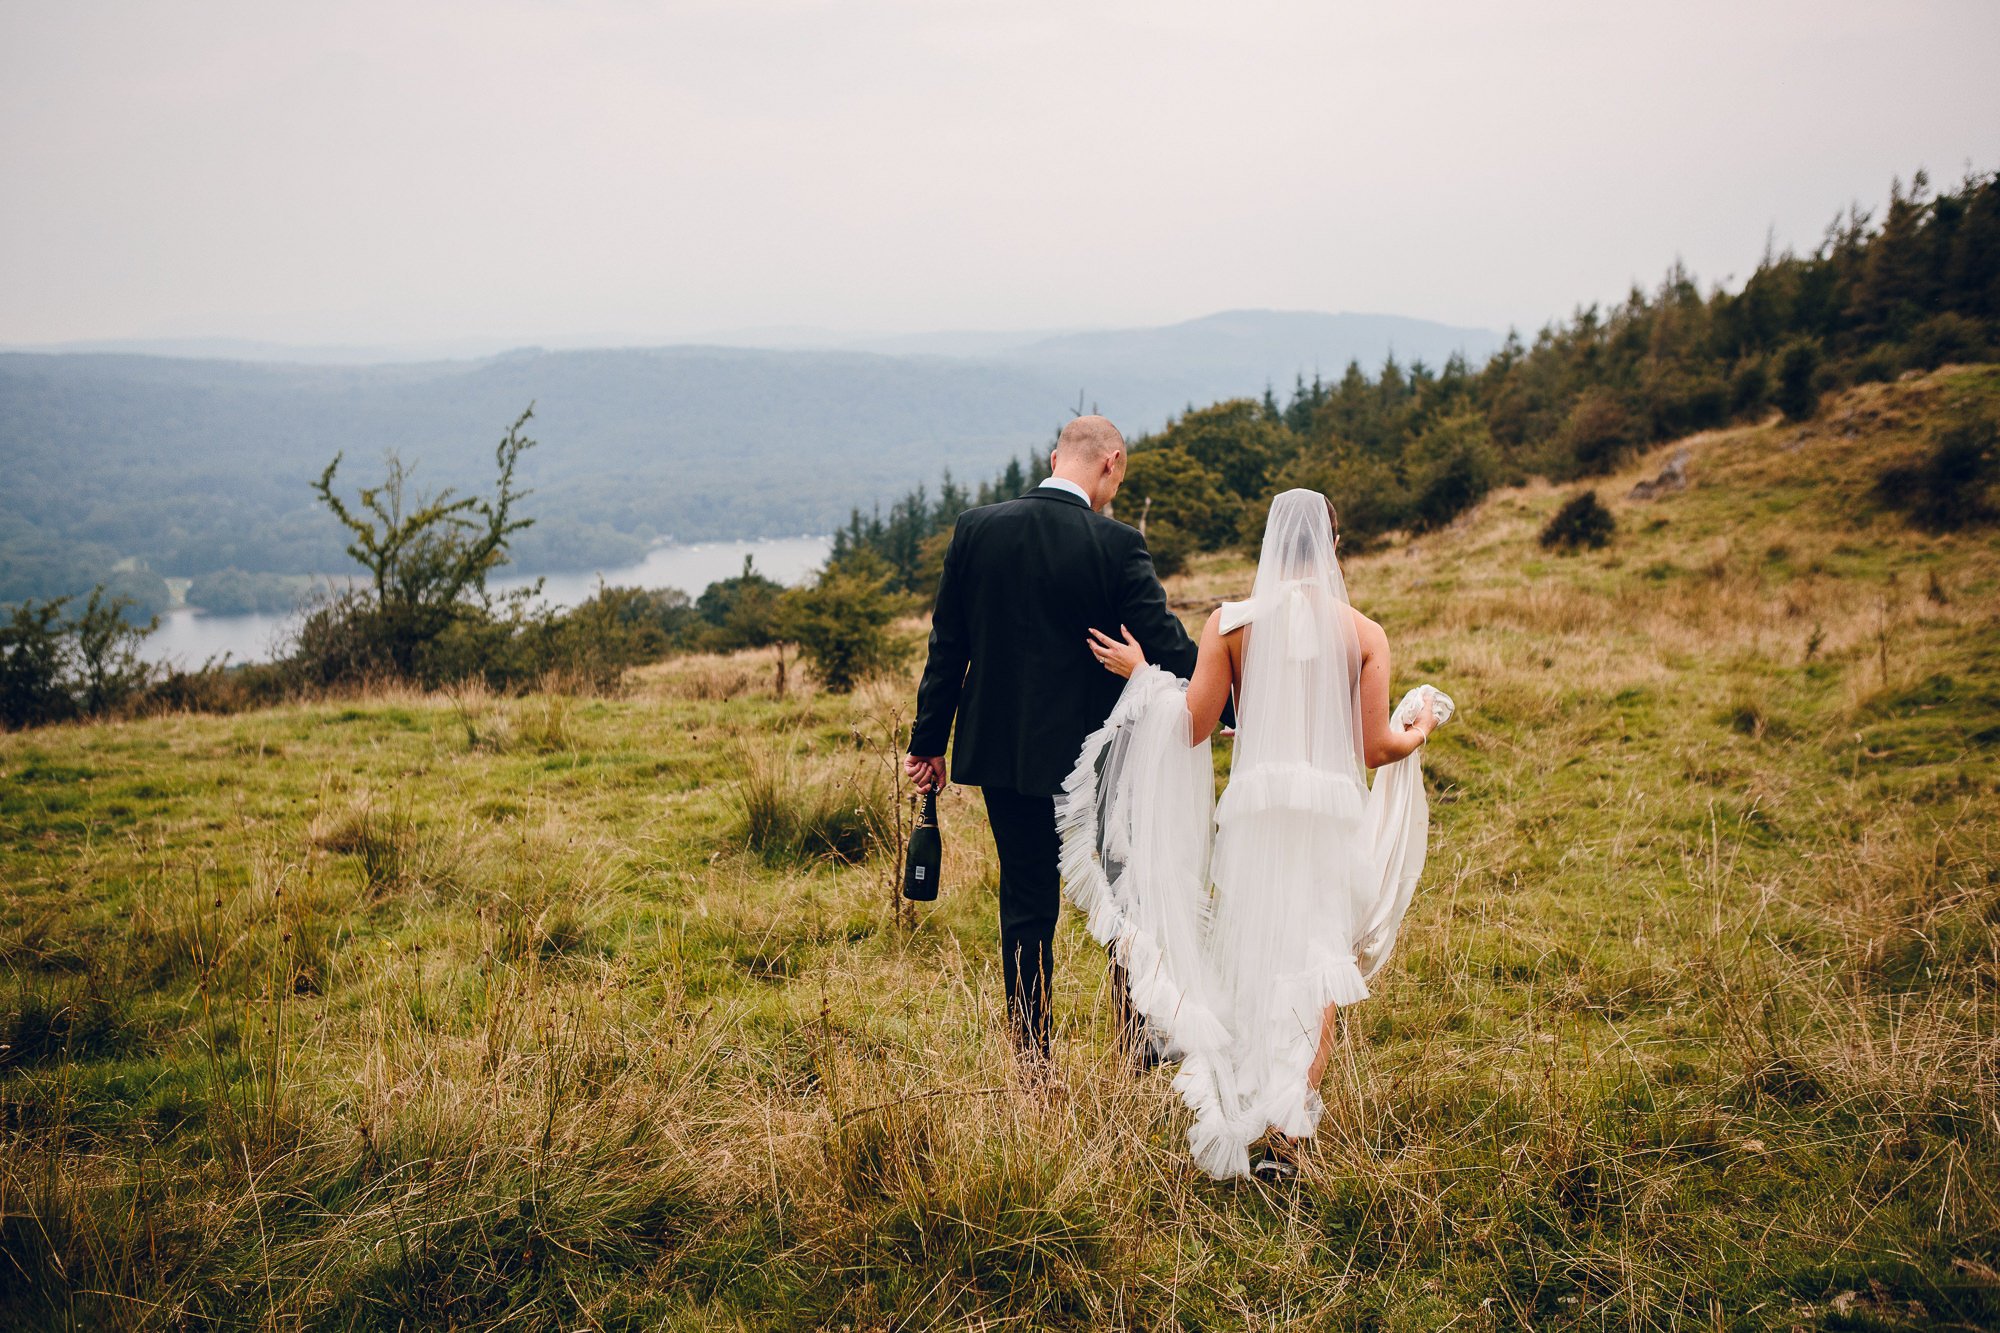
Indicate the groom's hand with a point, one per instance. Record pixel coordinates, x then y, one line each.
927 774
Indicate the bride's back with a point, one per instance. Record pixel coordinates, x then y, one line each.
1298 666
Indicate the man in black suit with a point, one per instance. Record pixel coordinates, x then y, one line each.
1023 582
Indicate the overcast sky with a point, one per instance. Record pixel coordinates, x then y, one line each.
342 172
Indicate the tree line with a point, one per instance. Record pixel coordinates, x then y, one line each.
1412 447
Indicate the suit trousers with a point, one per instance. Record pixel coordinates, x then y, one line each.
1024 831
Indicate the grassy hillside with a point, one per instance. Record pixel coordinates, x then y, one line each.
462 1012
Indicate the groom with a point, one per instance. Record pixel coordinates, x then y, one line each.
1023 582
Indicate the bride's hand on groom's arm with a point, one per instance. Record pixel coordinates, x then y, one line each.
1120 658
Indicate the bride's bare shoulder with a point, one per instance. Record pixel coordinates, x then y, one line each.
1368 631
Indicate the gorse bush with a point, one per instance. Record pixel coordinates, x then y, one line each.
1749 386
1948 336
1582 521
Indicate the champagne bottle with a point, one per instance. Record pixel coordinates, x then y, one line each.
920 867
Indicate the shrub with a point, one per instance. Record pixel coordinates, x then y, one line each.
841 622
593 643
105 654
1877 365
1237 441
1951 485
1678 400
1582 521
742 612
1169 547
1369 496
1450 468
216 687
1749 387
427 558
54 667
1798 379
1594 435
1170 485
32 655
1944 337
337 641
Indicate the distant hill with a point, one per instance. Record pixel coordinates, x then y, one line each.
189 465
1238 351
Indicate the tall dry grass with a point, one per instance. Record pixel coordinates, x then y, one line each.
458 1011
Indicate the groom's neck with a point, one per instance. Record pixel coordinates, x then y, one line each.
1085 478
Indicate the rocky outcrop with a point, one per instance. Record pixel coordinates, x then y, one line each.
1673 477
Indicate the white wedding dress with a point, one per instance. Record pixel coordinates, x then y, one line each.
1239 925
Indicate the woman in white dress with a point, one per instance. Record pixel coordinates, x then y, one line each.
1310 871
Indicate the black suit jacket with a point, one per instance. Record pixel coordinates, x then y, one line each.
1023 581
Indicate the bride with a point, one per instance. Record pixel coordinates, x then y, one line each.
1243 930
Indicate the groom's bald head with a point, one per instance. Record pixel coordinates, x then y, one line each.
1088 440
1091 453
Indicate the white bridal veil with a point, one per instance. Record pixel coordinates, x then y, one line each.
1238 929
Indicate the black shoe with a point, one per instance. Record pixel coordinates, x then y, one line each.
1272 1171
1280 1160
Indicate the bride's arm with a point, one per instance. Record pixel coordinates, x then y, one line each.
1208 689
1382 743
1214 673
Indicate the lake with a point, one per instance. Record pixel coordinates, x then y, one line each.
191 637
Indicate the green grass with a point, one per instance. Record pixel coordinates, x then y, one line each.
427 1011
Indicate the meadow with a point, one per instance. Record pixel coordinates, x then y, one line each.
464 1011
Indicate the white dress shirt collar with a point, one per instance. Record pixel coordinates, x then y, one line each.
1064 484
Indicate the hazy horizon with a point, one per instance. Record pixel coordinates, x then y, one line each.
955 343
597 172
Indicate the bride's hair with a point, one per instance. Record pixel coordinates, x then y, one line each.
1306 547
